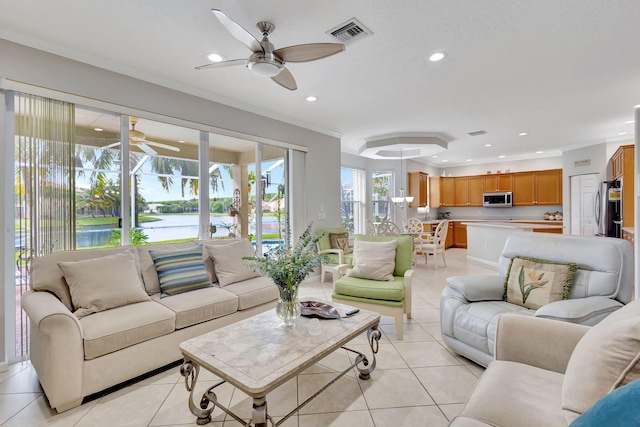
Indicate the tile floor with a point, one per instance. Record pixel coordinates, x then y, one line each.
417 382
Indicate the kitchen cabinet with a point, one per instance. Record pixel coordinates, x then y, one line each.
629 236
622 168
468 190
537 188
499 182
441 191
459 234
418 189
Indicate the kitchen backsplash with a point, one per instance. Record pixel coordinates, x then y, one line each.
524 212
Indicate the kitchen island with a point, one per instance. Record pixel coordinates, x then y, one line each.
485 240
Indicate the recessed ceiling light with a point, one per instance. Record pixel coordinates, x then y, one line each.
622 133
539 152
312 98
215 57
629 122
438 56
468 160
435 157
98 129
181 140
488 145
636 106
523 133
501 156
444 160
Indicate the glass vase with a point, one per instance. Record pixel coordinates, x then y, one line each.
289 307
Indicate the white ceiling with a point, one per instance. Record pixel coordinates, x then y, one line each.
567 72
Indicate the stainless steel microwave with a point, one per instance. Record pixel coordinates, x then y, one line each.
497 200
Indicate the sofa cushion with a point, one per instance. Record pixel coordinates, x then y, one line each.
228 262
99 284
374 260
533 283
199 306
530 401
47 276
253 292
180 270
118 328
370 289
618 408
208 262
148 268
610 353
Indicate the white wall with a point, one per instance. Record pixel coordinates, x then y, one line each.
543 163
24 64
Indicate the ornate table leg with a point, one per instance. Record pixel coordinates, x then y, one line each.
190 371
373 336
259 413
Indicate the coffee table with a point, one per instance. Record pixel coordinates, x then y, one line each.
256 356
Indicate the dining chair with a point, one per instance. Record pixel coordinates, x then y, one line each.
388 228
436 244
370 228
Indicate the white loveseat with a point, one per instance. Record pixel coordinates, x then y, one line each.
76 357
471 305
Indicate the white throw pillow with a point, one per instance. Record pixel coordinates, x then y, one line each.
99 284
229 265
374 260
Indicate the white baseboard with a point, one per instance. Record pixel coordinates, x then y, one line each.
4 366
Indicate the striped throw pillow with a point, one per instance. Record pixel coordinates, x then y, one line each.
180 270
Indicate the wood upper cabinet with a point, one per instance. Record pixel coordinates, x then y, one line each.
418 188
441 192
468 190
537 188
499 182
621 161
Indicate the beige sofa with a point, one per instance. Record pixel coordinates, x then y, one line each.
548 373
76 357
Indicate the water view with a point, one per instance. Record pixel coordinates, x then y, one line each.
169 227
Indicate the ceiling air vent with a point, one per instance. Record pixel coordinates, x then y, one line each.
478 133
349 31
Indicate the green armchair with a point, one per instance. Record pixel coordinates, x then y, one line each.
389 298
335 255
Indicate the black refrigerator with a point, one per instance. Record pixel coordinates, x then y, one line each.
609 209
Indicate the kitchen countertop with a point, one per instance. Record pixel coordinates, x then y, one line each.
503 220
514 225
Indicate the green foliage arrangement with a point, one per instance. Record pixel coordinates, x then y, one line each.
137 237
289 266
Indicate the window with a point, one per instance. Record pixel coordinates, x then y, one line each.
381 184
353 197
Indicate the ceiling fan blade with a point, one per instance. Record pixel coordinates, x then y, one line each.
148 150
308 52
238 32
285 79
161 145
115 144
223 64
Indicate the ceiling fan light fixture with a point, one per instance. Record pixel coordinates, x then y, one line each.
263 67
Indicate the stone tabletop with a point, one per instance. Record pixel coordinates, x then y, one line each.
256 355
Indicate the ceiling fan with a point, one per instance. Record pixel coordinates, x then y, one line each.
267 62
138 139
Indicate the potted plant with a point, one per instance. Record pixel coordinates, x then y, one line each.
288 266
